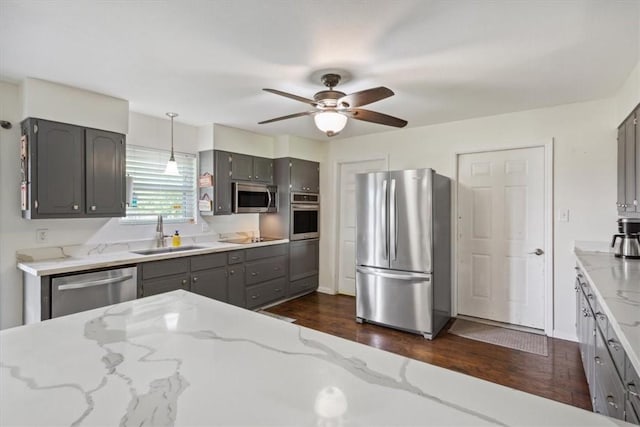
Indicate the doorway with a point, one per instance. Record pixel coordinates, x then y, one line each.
346 254
503 236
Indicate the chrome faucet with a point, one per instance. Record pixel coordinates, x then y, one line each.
160 236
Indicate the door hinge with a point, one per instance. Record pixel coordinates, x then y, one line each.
35 128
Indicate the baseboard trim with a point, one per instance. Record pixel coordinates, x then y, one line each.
326 290
564 336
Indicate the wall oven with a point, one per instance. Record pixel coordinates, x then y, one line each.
254 198
305 216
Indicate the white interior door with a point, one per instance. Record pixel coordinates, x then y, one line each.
501 225
347 221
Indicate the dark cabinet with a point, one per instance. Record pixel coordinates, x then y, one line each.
305 176
235 276
157 277
266 292
628 176
105 171
241 167
263 270
303 258
210 283
72 172
263 170
222 183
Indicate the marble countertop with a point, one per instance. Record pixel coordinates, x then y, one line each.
112 259
616 283
183 359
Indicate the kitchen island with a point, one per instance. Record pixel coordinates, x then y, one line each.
183 359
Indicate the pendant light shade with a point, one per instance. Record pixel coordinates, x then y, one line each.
172 165
330 122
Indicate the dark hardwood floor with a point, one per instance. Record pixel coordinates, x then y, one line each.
558 376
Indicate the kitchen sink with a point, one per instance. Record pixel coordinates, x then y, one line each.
167 250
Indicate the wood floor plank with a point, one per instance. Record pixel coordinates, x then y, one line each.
558 376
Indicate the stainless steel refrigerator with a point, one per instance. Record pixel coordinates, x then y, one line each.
403 250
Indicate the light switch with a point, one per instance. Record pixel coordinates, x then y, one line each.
563 216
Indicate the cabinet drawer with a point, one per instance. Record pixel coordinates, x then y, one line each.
301 286
265 252
632 383
165 284
262 294
203 262
610 394
616 351
235 257
601 318
165 268
261 271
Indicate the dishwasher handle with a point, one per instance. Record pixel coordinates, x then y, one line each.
102 282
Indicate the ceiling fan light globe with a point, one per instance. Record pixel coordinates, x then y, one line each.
330 122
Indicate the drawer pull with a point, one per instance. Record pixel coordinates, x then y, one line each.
612 402
254 274
255 296
234 258
613 344
276 268
631 387
277 289
598 361
590 296
601 316
232 272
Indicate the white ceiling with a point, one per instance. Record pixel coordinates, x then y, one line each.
209 60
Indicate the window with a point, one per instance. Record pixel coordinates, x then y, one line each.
154 193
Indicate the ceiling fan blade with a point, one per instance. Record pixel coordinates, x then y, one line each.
364 97
292 96
290 116
374 117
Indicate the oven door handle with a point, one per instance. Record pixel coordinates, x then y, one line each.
305 207
94 283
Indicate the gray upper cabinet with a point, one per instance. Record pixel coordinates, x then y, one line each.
105 168
628 194
72 172
241 167
222 183
263 170
305 176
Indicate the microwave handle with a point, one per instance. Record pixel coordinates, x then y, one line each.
269 198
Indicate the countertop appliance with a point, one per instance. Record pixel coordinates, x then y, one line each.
254 198
305 216
79 292
403 250
629 234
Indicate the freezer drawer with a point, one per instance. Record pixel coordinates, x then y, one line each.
402 300
80 292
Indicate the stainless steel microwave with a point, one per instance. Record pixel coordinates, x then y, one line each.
254 198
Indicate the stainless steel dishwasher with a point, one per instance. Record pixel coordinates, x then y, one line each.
80 292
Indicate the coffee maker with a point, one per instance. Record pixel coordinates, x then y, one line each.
629 234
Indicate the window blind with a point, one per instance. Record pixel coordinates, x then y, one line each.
154 193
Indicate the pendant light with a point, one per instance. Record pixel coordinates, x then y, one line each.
172 165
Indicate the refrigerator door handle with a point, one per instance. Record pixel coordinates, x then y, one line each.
407 275
384 220
393 217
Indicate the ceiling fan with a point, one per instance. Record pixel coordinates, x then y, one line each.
333 108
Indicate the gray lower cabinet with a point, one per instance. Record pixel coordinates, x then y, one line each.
303 258
612 380
157 277
209 276
266 269
267 292
237 294
302 286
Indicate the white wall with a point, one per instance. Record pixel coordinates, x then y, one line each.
584 173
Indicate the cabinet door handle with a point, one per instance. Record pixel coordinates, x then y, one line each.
184 282
76 207
195 279
613 344
631 387
232 272
93 208
598 361
611 401
601 316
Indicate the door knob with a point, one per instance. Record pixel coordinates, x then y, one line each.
538 252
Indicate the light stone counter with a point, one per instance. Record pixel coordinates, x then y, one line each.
183 359
68 264
616 283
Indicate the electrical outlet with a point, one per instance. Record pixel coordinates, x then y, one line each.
205 226
42 235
